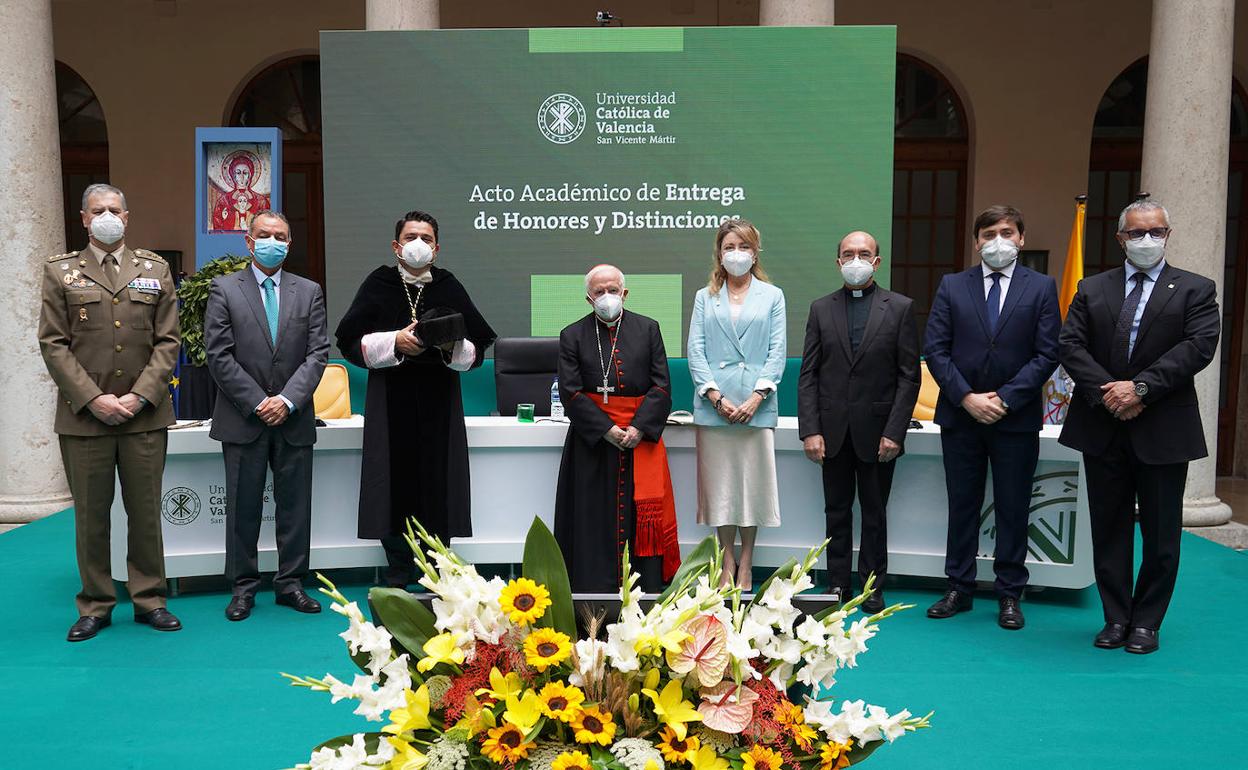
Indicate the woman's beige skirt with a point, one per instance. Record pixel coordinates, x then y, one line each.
737 477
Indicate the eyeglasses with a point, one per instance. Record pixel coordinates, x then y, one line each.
1157 232
864 254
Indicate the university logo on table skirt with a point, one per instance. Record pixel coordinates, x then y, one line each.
1051 533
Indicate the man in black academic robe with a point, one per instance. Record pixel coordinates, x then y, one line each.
415 460
614 485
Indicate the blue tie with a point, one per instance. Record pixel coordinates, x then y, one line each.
994 302
270 307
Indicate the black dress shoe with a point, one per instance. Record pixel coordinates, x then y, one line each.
160 619
300 601
1009 614
1142 641
836 594
951 604
1111 637
87 627
874 603
240 606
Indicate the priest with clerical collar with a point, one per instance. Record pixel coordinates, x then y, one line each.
614 484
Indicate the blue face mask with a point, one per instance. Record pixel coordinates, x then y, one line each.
270 252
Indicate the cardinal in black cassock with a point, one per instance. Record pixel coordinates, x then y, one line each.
614 483
415 460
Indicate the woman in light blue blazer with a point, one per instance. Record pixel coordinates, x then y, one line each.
736 357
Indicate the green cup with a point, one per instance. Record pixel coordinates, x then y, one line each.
524 412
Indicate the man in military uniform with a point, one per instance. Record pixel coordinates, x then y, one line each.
108 330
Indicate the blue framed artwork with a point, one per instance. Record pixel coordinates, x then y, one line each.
238 172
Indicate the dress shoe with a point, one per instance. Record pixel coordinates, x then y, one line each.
87 627
874 603
836 594
240 606
299 600
1142 641
1111 637
1009 614
951 604
160 619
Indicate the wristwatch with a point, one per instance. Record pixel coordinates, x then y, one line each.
762 392
1141 389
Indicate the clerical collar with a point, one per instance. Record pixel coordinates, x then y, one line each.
610 324
860 293
414 279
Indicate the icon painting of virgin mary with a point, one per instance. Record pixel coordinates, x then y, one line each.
238 190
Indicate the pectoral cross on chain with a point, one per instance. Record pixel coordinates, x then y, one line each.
605 390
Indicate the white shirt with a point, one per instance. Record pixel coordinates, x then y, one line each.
277 286
1146 291
1006 273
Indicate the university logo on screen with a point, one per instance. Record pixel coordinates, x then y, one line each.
619 117
561 118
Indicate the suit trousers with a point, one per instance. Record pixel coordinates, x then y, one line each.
245 469
968 451
844 473
1116 480
92 466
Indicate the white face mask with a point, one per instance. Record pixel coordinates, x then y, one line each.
738 262
998 253
608 307
1146 252
416 254
857 272
107 228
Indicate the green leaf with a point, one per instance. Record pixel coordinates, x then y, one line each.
859 753
408 620
703 555
193 296
370 740
543 563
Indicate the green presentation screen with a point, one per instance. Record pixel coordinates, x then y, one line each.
545 152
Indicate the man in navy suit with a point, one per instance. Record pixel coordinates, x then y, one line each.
991 344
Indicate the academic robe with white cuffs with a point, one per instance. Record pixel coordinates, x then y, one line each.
596 505
415 458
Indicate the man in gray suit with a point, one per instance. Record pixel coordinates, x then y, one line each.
266 342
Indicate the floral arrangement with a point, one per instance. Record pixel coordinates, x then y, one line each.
494 674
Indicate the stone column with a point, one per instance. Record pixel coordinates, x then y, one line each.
402 14
1186 143
796 13
32 481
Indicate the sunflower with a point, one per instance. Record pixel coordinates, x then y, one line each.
676 750
787 713
546 647
561 701
570 760
761 758
524 601
834 756
506 744
593 726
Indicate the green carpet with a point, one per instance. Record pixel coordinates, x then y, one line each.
210 696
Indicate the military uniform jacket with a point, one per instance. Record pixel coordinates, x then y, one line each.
101 333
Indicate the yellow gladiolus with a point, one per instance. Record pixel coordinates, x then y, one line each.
443 648
671 708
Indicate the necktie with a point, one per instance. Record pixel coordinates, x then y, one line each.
270 307
1126 319
111 268
994 302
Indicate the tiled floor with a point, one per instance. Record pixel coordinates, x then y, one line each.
1234 492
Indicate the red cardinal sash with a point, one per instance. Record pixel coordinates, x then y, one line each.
654 533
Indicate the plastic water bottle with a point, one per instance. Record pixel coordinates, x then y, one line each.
556 406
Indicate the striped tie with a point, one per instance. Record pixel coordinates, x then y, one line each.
270 307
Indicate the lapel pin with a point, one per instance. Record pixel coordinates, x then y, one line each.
69 279
147 265
1171 286
82 263
82 314
65 266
